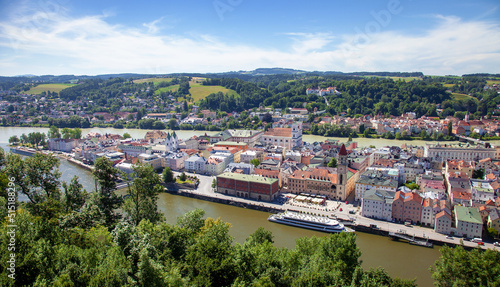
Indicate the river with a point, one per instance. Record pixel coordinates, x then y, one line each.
399 259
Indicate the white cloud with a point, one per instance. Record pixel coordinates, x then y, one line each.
91 45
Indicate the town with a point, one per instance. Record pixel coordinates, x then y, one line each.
451 189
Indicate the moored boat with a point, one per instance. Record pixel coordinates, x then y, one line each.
318 223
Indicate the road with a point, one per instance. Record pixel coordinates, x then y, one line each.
331 208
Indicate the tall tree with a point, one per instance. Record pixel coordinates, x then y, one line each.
74 196
168 175
143 195
106 175
54 133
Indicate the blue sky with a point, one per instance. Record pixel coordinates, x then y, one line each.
96 37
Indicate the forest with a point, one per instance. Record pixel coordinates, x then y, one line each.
66 236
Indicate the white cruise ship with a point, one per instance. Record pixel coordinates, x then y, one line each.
318 223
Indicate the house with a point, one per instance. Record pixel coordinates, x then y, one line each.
494 220
64 145
407 207
195 163
443 223
370 180
151 159
468 222
175 160
285 137
378 204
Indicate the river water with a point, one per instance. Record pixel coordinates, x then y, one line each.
399 259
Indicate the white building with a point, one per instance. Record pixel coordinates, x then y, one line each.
64 145
443 223
172 142
284 137
465 152
482 191
195 163
247 156
378 204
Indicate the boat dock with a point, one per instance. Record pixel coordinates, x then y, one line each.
411 239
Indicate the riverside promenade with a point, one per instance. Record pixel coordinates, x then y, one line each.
331 208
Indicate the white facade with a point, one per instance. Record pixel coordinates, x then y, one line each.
195 164
443 223
378 204
247 156
64 145
464 152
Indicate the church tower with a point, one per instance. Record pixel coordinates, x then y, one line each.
342 173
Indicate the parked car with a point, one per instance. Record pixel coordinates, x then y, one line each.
352 212
477 240
449 237
480 243
496 244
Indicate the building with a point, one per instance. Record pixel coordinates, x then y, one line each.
151 159
323 181
175 160
443 223
227 144
64 145
373 181
133 150
195 163
465 152
248 186
407 207
482 191
378 204
285 137
494 220
250 137
171 142
468 222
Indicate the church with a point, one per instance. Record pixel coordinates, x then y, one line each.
171 142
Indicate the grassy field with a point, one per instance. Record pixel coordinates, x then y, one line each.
199 92
173 88
491 82
448 85
48 87
461 97
154 80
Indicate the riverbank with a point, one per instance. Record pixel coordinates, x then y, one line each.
346 213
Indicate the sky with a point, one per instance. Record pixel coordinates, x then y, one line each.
158 37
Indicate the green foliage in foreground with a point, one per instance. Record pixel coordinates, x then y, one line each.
458 267
195 252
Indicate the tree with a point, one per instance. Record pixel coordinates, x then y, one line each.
168 175
126 136
183 176
366 133
255 162
458 267
412 186
14 140
172 124
478 173
54 133
143 195
450 128
106 175
214 183
74 196
332 163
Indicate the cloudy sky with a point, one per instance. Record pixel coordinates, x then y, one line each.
96 37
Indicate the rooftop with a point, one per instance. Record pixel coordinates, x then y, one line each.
249 178
468 214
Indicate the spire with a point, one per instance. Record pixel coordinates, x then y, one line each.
342 151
